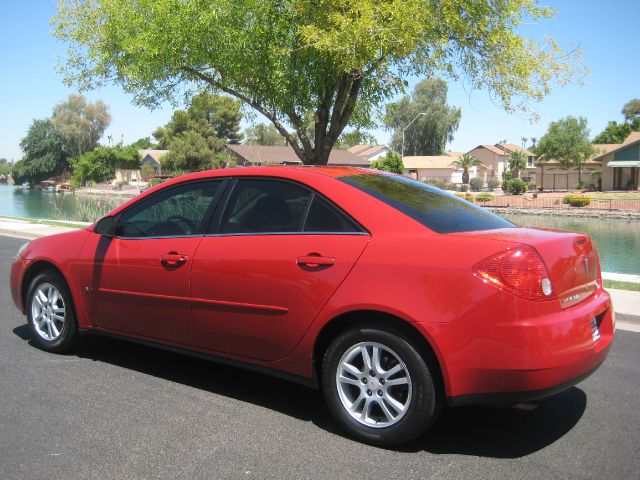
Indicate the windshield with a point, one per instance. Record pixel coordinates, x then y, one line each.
434 208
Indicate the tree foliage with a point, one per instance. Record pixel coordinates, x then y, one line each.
390 163
631 110
617 132
517 162
45 154
355 137
215 118
465 162
264 134
190 152
334 59
100 164
81 123
567 142
436 122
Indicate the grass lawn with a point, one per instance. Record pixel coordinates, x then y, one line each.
615 195
621 285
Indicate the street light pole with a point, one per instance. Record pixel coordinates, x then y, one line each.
416 117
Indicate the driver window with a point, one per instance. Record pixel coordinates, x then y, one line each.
176 212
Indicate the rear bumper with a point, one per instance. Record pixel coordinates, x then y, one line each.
492 358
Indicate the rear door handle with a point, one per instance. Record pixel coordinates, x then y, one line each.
315 261
173 259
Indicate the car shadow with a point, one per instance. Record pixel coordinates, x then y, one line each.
475 431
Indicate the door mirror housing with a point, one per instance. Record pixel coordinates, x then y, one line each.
106 226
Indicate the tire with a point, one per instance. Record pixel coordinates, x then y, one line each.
50 313
396 413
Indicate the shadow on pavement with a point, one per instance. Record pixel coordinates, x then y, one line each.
476 431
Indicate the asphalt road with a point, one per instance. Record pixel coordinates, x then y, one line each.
119 410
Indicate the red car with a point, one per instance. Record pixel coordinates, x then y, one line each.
392 296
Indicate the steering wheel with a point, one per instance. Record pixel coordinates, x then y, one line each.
180 219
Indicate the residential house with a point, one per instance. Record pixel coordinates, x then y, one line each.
496 159
620 164
253 155
552 176
425 167
369 152
152 158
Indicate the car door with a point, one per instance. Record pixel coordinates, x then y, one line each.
137 282
277 256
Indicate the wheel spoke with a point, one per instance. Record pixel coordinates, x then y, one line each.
394 370
365 410
42 297
387 413
375 357
59 318
352 370
356 402
54 329
366 358
396 381
396 405
350 381
49 330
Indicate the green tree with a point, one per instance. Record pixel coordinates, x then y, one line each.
429 133
355 137
631 110
264 134
81 123
189 152
334 59
517 162
100 164
567 141
45 154
617 132
390 163
216 118
465 162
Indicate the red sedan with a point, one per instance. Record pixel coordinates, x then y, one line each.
392 296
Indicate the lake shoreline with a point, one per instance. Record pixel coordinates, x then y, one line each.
568 212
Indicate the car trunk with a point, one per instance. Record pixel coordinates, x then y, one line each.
570 258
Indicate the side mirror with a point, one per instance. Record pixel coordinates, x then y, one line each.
106 226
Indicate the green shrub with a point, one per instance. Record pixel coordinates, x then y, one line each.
507 175
518 187
579 200
506 186
476 184
484 197
464 187
437 182
532 186
493 182
467 196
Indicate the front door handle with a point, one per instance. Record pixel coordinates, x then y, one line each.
314 260
173 260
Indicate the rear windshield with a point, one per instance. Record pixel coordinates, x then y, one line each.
436 209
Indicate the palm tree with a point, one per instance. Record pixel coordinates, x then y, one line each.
524 141
517 161
465 162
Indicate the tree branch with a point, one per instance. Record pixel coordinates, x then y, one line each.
253 103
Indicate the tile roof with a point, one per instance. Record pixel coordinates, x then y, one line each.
510 148
428 161
155 154
268 155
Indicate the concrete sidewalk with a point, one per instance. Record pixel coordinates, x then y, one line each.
29 230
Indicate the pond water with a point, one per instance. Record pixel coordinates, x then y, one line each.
617 241
33 203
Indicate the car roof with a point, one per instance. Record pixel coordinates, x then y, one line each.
278 170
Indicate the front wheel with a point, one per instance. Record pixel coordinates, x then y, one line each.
378 387
50 313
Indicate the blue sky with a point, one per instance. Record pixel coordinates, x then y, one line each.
606 32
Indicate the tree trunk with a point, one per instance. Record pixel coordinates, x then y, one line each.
465 177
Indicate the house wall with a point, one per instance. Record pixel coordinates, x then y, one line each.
556 178
494 162
128 175
378 155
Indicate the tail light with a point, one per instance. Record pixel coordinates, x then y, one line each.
519 271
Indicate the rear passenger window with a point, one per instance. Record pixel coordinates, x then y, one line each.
265 206
323 217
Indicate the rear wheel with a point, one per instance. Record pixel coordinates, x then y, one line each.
378 387
50 313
